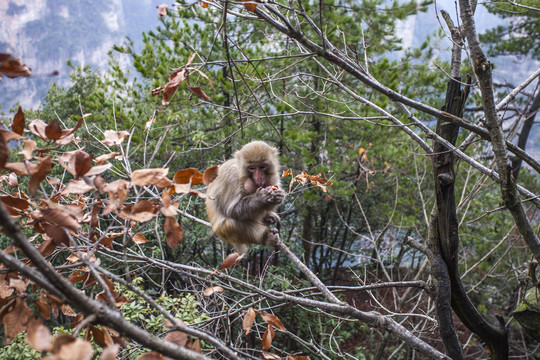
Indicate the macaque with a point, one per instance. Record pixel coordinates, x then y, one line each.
243 199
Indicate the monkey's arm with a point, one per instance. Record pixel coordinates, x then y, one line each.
253 206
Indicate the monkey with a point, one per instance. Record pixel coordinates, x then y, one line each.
242 200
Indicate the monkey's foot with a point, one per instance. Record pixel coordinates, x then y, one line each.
272 237
271 194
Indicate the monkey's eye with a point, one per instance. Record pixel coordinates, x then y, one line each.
252 168
262 167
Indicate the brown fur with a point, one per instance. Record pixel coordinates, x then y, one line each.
239 210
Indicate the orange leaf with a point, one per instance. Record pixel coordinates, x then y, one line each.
247 321
249 5
187 176
203 4
229 261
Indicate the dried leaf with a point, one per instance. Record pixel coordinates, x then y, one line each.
139 239
199 92
268 337
114 137
250 5
38 335
76 350
157 177
173 232
100 160
18 122
12 67
152 355
177 337
110 352
21 168
270 356
61 216
210 174
203 4
272 320
4 151
162 10
211 290
144 210
77 186
29 146
175 79
16 319
187 176
44 169
247 321
53 131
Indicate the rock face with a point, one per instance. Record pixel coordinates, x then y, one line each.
45 34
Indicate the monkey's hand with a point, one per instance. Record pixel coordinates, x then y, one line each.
271 194
271 219
272 237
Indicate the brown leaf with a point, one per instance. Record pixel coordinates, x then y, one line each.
4 151
59 341
210 174
12 67
44 169
247 321
18 122
29 146
16 319
175 79
268 337
194 346
101 336
21 168
76 350
211 290
139 239
144 210
199 92
77 186
110 352
203 4
272 320
15 203
43 307
114 137
173 232
77 163
62 216
162 10
177 337
152 355
186 176
47 248
100 160
53 131
157 177
38 335
58 235
270 356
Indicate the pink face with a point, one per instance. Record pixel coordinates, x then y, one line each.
258 174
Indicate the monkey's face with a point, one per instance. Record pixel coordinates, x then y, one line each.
258 173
